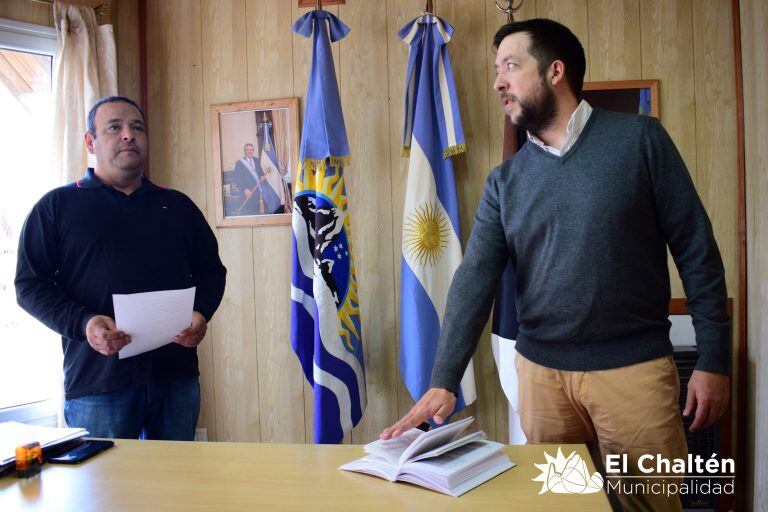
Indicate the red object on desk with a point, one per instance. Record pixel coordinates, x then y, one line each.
29 458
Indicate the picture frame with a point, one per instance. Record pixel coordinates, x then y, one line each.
255 154
630 96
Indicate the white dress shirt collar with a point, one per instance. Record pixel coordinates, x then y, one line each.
575 126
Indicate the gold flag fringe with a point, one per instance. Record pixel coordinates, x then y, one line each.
455 150
315 164
451 151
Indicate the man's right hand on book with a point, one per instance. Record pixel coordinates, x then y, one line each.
437 403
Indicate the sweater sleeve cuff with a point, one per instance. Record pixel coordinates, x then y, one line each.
445 383
713 363
86 318
206 312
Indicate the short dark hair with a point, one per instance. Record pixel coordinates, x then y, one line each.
550 41
91 126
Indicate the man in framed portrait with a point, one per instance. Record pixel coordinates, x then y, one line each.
258 197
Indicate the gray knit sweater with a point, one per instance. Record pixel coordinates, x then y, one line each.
588 234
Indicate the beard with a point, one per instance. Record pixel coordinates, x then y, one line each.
537 113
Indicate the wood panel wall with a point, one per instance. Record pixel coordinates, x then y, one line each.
26 11
754 48
125 22
203 52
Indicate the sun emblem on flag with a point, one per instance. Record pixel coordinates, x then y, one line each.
425 234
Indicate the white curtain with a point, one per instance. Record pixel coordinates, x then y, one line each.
85 71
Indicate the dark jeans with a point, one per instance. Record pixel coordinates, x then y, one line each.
166 410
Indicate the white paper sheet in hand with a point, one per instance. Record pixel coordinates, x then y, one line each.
152 319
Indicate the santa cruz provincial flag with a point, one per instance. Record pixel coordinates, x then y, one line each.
325 313
431 235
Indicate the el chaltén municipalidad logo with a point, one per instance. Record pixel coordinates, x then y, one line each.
650 474
567 475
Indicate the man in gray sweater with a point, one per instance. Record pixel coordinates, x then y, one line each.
585 211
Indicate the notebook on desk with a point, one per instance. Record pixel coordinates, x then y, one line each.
13 434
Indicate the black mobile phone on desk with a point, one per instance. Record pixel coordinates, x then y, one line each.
84 451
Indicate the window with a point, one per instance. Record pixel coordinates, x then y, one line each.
30 354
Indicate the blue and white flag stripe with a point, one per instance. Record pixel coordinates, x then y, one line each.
332 354
444 90
448 100
421 189
424 289
269 165
431 242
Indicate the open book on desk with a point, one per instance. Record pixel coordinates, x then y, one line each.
442 459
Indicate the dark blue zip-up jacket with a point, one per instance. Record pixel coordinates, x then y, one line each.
85 241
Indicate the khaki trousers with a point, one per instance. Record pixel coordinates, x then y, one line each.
632 410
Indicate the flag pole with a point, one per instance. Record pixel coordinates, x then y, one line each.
510 9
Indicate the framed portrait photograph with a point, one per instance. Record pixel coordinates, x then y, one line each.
630 96
255 149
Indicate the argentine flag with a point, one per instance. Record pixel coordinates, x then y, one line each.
431 243
325 313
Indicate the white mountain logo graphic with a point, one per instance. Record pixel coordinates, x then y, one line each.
567 475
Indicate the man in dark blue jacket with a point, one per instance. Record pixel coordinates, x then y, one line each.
115 232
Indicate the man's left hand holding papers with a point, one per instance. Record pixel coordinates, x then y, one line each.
194 334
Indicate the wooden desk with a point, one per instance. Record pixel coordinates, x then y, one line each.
186 476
